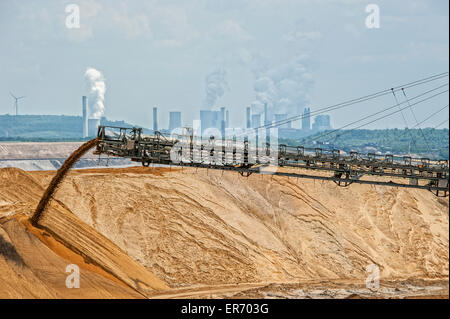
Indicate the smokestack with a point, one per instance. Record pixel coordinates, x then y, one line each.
227 119
266 120
248 117
85 117
222 121
306 119
155 118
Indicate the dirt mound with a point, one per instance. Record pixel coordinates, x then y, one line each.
61 239
193 229
30 269
206 227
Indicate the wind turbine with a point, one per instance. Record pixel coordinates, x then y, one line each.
15 102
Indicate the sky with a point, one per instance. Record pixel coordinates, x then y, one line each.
203 54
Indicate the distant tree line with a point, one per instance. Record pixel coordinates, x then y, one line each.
430 142
46 127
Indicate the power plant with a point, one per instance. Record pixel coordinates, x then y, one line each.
283 117
89 125
256 120
210 119
174 120
266 119
93 125
220 120
306 119
248 117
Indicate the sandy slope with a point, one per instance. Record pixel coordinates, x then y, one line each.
195 229
30 269
43 254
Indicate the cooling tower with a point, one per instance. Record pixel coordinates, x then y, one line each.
174 120
256 120
93 126
306 119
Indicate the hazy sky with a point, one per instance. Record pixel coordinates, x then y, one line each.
294 53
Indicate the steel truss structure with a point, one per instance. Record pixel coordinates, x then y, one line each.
229 155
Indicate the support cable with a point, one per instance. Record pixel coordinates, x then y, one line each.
417 122
389 114
384 110
357 100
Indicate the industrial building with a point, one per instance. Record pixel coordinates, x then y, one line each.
210 119
93 125
256 120
321 123
174 120
306 119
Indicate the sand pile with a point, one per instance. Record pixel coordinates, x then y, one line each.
191 229
30 269
62 239
211 228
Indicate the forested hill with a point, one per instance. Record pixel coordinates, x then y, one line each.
45 127
430 142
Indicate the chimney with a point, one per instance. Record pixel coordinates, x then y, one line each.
248 117
222 121
155 118
266 120
85 117
227 119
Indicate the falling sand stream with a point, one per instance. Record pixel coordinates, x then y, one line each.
59 177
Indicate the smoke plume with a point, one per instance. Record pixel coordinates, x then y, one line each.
284 88
215 86
96 87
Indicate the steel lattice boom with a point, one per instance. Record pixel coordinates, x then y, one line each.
421 173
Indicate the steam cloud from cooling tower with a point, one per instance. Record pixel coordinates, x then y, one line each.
215 86
285 88
95 84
